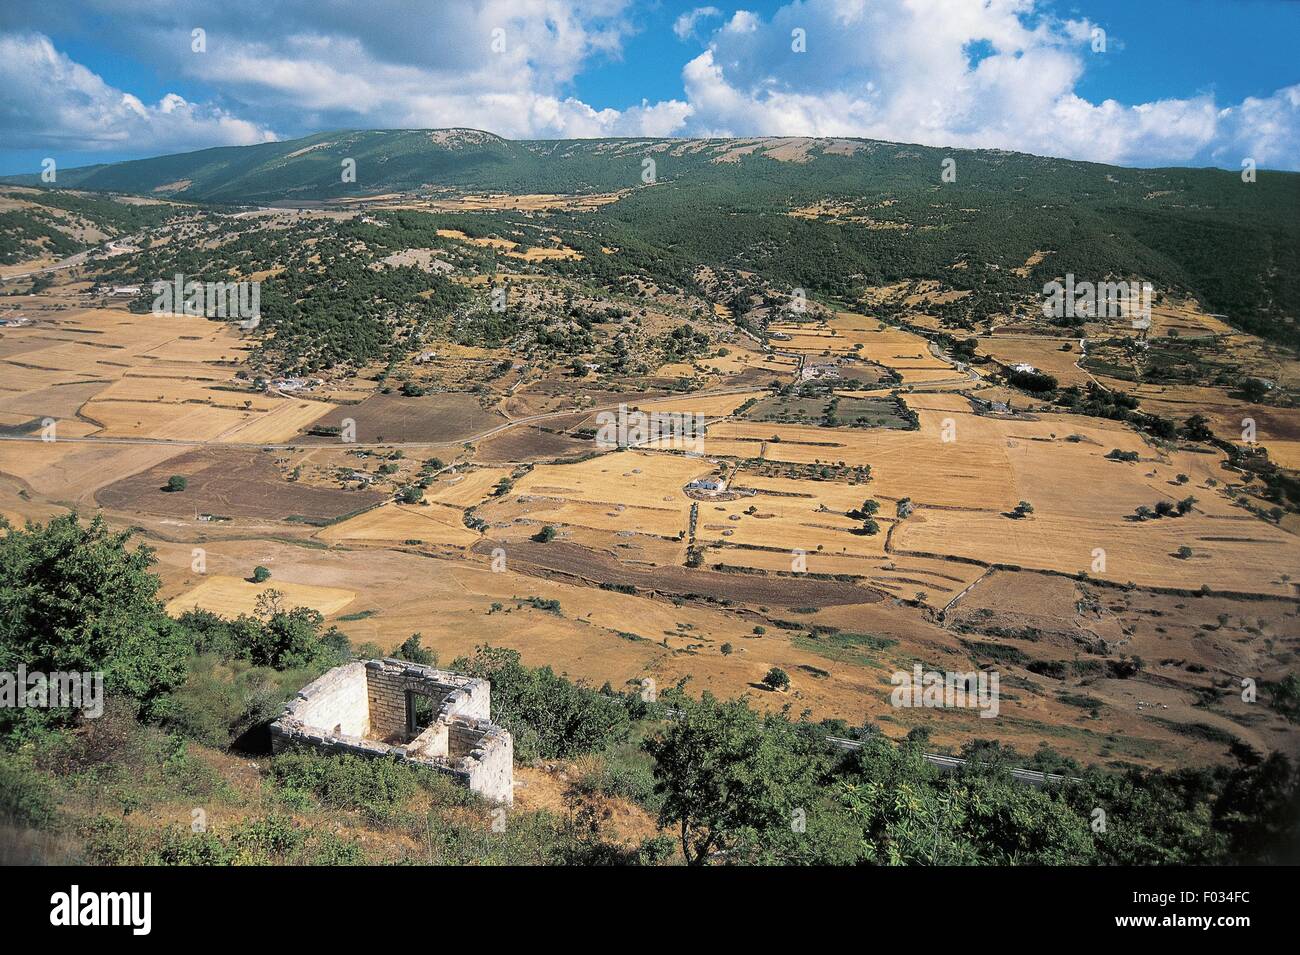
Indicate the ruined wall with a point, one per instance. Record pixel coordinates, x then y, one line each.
434 741
386 696
491 764
337 702
353 707
388 681
463 737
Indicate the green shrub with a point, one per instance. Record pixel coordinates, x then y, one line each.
185 847
549 716
333 850
636 783
412 650
378 788
275 636
26 796
73 598
267 839
222 702
777 679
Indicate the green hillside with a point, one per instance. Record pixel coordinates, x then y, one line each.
728 203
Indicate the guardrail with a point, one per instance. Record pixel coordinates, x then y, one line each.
948 764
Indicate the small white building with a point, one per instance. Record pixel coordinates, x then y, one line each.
290 384
706 484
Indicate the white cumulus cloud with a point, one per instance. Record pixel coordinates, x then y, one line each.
50 101
992 74
903 70
685 24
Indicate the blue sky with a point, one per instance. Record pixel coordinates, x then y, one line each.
1178 82
1239 48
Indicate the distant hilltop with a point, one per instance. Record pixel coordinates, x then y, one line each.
357 163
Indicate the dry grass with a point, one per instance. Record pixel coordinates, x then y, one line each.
231 596
395 523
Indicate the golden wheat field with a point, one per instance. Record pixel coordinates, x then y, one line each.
396 523
231 596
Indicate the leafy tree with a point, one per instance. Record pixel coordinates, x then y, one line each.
412 651
724 772
1254 390
176 483
1197 428
74 598
261 574
777 679
1258 811
1034 381
284 639
910 814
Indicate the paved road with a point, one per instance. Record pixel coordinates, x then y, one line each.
70 262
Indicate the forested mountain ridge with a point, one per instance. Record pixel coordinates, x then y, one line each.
387 160
826 215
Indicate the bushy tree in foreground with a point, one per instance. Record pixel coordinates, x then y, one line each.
74 598
725 773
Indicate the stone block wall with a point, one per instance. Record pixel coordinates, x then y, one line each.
388 682
463 737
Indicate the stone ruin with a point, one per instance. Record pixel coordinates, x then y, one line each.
408 712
